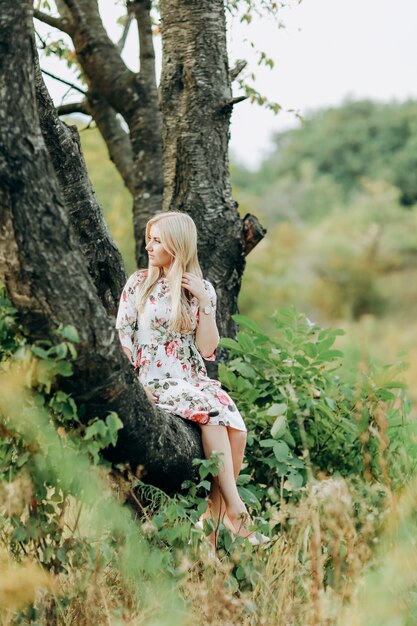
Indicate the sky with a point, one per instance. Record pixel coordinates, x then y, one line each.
327 51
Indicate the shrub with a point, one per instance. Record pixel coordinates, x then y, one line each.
303 416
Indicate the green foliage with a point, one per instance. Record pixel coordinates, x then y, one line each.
35 522
302 415
359 139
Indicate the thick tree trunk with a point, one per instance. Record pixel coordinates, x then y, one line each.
132 95
104 262
47 279
196 104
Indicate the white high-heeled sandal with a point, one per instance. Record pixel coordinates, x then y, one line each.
255 537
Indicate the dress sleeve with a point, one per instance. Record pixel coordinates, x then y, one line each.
127 313
213 301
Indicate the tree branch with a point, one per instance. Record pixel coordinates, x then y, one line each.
235 71
56 22
122 40
73 107
103 260
100 59
253 232
74 9
234 101
62 80
117 140
142 10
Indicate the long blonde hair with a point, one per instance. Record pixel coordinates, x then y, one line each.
178 236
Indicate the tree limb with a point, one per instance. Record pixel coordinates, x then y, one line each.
117 140
65 82
73 107
57 22
122 40
235 71
74 9
104 262
253 232
142 10
233 101
100 59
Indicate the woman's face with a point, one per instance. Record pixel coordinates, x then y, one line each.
158 256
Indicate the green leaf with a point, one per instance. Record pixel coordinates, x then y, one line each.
70 333
246 342
40 352
294 482
311 350
245 369
244 321
61 350
62 555
114 423
267 443
248 497
19 534
281 451
277 409
231 344
279 427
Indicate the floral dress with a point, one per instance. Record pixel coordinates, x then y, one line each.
168 362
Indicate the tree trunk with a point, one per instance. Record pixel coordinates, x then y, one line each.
47 279
132 95
196 101
196 104
104 262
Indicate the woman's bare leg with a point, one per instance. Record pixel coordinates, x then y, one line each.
216 439
237 440
217 507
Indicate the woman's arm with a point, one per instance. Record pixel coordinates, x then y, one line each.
207 336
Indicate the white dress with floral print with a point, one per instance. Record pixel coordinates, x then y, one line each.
169 363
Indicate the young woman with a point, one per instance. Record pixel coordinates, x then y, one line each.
167 325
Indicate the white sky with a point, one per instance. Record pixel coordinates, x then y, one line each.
328 51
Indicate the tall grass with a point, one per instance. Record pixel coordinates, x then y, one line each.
136 571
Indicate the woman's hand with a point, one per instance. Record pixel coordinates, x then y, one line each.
150 395
195 286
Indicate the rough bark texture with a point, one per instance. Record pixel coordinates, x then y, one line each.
104 262
47 279
196 105
196 102
133 95
114 89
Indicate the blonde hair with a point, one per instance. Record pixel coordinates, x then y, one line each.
178 236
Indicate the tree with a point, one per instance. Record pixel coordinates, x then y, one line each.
345 144
192 123
47 276
56 257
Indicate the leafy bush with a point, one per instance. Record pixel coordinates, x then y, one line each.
302 416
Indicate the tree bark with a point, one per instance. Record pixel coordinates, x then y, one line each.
134 96
46 276
104 262
196 104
